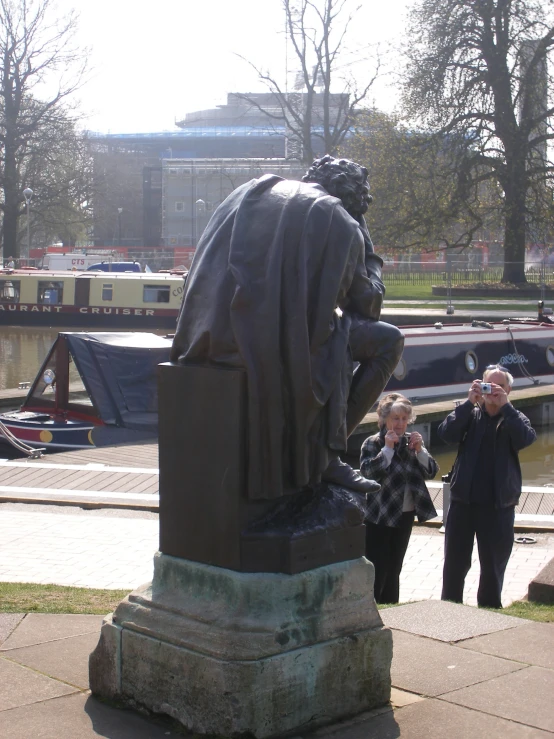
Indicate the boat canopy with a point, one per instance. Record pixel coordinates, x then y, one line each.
119 372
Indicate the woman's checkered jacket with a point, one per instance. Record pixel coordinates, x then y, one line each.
385 507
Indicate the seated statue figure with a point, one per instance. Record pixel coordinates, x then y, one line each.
285 285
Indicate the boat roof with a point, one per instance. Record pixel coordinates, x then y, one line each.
477 327
92 274
119 371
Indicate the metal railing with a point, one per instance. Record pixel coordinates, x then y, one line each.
424 273
398 273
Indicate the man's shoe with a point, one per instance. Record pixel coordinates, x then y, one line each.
341 474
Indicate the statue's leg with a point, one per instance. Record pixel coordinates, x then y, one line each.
377 346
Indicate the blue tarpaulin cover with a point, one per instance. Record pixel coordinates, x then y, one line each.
119 371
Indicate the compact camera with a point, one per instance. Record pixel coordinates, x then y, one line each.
486 388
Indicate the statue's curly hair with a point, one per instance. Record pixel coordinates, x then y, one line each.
341 178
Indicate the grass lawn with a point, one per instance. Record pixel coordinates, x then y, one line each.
418 291
422 297
520 609
532 611
411 292
30 598
525 309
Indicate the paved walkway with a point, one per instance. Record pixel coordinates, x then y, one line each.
457 672
114 549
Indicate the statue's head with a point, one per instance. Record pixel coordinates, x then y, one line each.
344 179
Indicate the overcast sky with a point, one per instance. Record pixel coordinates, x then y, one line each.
154 62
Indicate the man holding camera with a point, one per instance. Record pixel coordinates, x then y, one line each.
485 485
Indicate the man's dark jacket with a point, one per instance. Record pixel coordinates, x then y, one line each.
273 264
465 426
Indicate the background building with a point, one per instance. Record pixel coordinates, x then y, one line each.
147 184
193 188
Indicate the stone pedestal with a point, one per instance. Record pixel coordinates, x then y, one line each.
230 653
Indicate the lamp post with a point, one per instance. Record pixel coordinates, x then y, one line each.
199 208
449 306
28 194
119 212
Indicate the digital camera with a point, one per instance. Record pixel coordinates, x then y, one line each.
486 388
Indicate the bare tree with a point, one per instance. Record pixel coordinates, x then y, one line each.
58 167
478 68
39 70
316 118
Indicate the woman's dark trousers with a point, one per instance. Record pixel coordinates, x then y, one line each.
494 529
386 547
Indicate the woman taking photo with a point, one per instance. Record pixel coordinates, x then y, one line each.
401 464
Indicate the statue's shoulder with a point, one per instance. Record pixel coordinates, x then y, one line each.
311 193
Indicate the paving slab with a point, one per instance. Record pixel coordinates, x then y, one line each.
8 622
433 719
38 628
524 696
22 686
63 659
446 621
532 644
430 668
79 717
400 698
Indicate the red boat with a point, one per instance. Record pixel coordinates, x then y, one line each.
92 390
98 389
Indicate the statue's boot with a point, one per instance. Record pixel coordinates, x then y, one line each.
342 474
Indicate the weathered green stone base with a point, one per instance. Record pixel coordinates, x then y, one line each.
232 653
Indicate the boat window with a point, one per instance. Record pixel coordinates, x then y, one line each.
400 370
471 362
45 387
107 291
155 294
50 292
78 394
9 291
550 355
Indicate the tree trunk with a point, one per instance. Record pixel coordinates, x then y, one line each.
514 245
11 203
11 246
11 99
515 223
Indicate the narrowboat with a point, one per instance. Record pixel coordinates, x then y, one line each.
441 360
93 389
86 299
97 389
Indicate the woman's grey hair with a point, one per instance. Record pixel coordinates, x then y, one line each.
394 400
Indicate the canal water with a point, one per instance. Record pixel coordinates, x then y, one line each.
537 461
22 351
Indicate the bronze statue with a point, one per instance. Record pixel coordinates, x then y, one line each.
285 284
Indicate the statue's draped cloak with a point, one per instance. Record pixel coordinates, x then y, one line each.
273 264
